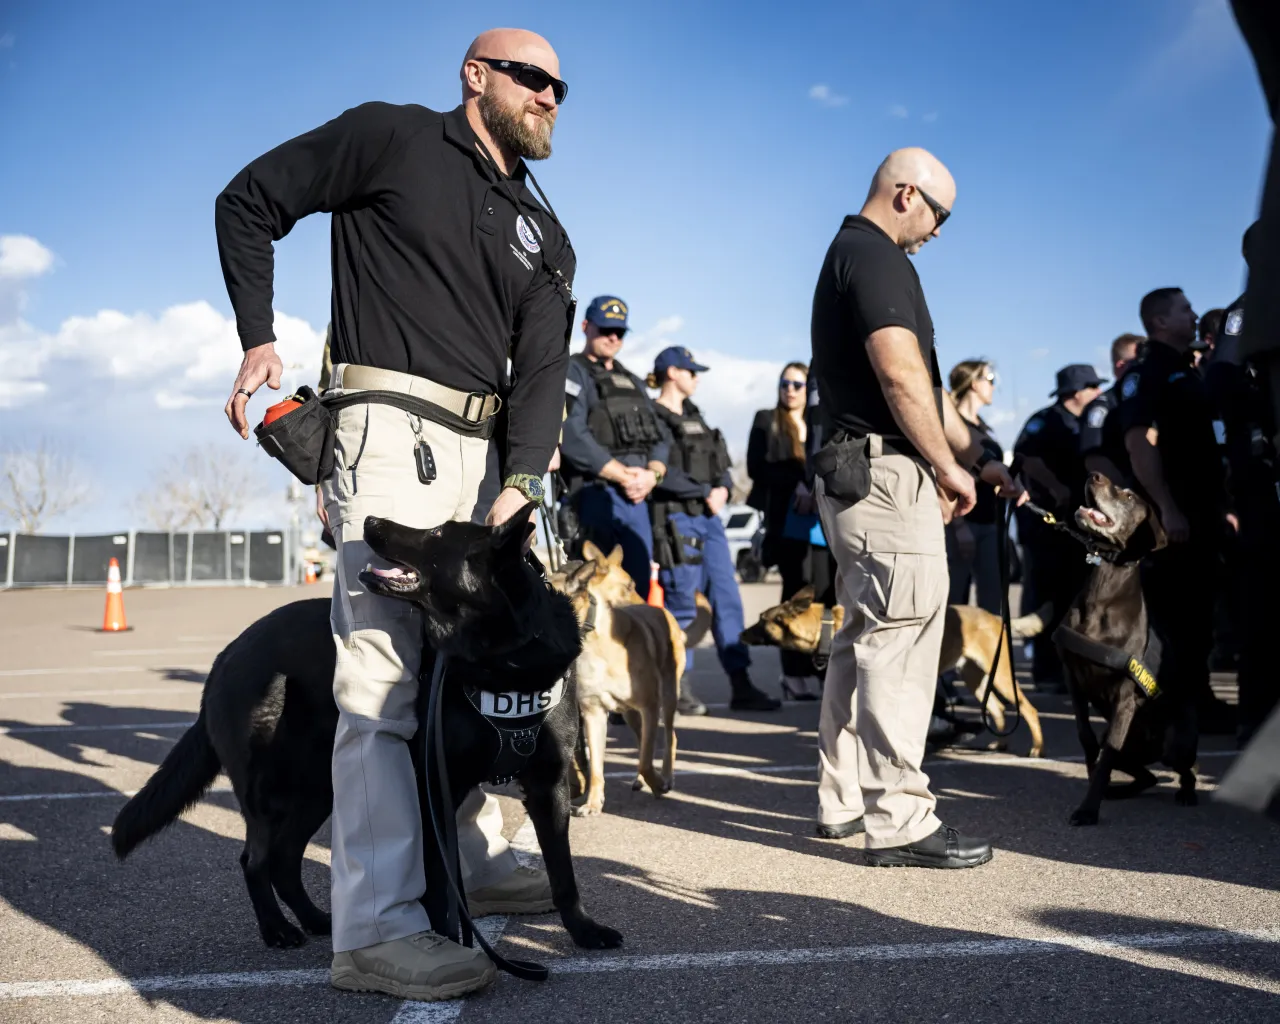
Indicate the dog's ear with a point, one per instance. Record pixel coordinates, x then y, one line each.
803 597
1160 539
592 553
582 574
1148 537
615 556
512 534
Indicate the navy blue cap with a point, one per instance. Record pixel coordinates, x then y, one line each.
1076 377
607 311
680 358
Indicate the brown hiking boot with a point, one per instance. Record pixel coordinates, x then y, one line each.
524 891
424 966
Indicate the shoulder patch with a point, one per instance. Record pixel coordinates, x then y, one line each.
1129 386
1034 425
1097 416
1234 322
572 387
527 238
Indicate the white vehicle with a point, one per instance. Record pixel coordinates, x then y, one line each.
741 524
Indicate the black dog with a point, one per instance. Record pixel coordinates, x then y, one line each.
1110 655
268 718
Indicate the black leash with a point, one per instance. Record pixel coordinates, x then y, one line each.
1004 514
459 926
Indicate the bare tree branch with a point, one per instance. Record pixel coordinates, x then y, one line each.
203 487
40 484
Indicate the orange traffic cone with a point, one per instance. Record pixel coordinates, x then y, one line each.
310 576
113 620
656 597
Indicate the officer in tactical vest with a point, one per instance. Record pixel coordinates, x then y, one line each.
688 537
614 449
1241 400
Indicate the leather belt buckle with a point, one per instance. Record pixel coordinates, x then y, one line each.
479 397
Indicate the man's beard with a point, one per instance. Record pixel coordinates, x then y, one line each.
509 129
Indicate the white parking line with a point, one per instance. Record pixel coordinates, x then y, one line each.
1054 945
13 730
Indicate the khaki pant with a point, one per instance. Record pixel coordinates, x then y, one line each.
377 875
876 703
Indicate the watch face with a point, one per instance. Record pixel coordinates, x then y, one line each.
533 489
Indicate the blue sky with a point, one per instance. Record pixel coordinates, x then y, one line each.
703 160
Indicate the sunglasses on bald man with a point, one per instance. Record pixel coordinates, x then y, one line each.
940 212
531 77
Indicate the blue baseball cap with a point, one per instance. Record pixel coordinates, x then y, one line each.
680 358
607 311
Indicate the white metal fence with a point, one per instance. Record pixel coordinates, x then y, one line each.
178 558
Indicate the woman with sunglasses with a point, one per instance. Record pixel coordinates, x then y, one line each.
776 464
972 553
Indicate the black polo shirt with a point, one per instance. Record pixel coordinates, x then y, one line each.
1053 436
867 282
435 272
1164 391
1100 433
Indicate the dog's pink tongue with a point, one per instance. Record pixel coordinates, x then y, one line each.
394 571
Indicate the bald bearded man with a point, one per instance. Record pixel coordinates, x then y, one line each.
896 459
445 265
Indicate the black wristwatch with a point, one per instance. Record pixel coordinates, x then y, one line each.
527 484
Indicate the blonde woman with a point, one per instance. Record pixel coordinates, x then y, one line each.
972 553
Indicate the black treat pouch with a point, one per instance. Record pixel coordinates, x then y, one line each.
844 468
302 439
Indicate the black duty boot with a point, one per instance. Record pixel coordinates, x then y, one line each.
688 704
747 697
945 848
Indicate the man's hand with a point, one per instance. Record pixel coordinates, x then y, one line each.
260 366
803 500
1175 524
509 502
322 513
1233 521
638 484
554 464
996 474
717 500
957 484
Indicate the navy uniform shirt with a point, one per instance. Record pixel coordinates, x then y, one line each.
1053 436
1100 433
1242 406
1164 391
578 447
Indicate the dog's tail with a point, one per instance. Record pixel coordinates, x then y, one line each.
1026 626
180 781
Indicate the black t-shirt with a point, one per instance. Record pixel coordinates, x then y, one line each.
984 509
1053 436
435 271
866 283
1100 433
1165 391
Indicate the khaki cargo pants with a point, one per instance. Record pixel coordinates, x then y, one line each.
377 874
878 697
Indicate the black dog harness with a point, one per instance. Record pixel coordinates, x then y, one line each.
1141 670
517 719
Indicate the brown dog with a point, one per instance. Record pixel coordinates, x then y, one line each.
632 660
969 640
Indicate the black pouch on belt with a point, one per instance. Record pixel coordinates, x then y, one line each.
844 468
300 438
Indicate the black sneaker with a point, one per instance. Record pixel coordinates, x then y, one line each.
748 697
945 848
688 703
842 831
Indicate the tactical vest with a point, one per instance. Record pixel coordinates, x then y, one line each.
699 451
623 420
517 719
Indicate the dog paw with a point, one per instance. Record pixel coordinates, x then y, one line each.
1084 816
590 935
1036 752
637 785
320 924
587 811
282 935
1186 798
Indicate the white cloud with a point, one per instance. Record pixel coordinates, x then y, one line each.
1207 38
823 94
930 117
21 257
1038 353
898 110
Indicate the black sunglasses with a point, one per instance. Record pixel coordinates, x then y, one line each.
791 385
940 212
613 332
531 77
